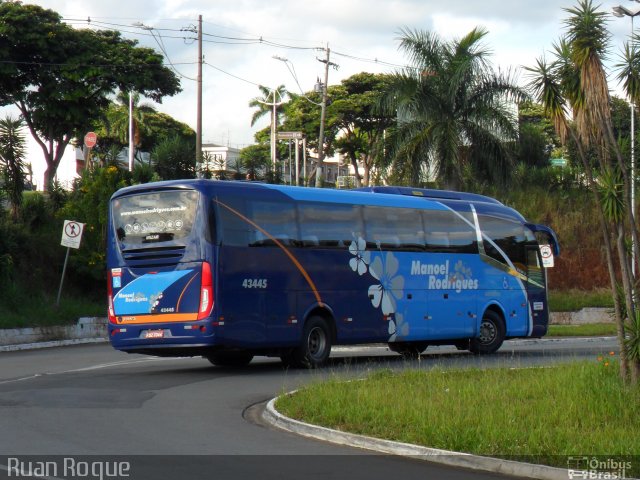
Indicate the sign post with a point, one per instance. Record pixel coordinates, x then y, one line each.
71 237
90 140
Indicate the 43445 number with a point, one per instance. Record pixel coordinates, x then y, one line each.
254 283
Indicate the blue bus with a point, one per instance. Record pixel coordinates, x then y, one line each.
230 270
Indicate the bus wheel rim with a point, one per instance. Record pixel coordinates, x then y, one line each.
487 332
317 342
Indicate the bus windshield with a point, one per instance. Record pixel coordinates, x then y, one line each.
155 217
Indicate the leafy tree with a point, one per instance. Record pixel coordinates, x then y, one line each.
89 204
255 160
361 124
12 152
453 109
302 114
174 159
61 78
153 127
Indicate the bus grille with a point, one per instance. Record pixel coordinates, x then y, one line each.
153 257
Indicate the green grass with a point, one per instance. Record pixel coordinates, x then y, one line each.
548 413
574 300
40 311
587 330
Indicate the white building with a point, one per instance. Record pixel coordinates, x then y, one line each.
219 157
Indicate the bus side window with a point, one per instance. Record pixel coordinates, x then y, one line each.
447 232
394 228
509 236
236 232
276 221
326 225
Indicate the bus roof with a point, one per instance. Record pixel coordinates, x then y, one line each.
401 197
430 193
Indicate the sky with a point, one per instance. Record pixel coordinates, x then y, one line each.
241 37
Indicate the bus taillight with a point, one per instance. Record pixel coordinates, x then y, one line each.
206 292
111 312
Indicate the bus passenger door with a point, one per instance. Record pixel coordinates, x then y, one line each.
537 291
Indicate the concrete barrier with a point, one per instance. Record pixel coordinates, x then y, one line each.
86 328
582 317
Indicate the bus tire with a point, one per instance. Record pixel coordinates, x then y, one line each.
314 348
492 333
237 358
409 350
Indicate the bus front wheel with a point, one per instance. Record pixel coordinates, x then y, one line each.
492 333
314 348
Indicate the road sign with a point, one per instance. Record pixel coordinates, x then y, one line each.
547 256
71 234
289 135
90 140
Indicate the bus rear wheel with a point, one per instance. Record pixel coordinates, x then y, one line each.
237 358
492 333
314 348
409 350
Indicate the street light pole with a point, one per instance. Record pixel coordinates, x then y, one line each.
199 103
274 105
131 131
621 11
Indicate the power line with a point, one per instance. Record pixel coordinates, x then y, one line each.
232 75
219 40
234 40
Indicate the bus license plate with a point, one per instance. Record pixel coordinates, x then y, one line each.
154 334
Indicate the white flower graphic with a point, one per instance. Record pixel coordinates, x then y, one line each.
398 328
389 290
362 258
460 272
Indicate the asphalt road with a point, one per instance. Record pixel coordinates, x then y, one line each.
92 412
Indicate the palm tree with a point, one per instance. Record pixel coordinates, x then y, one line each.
455 114
577 79
552 84
264 104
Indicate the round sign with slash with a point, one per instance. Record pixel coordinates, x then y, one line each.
72 234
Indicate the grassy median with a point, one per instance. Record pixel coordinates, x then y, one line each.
542 413
586 330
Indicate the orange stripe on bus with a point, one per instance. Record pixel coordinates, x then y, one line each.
160 318
281 246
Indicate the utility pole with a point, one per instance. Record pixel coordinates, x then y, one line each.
274 116
199 101
323 116
132 145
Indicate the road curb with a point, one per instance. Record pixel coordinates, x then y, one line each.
444 457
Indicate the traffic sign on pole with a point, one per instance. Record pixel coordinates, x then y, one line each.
90 139
71 234
290 135
547 256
